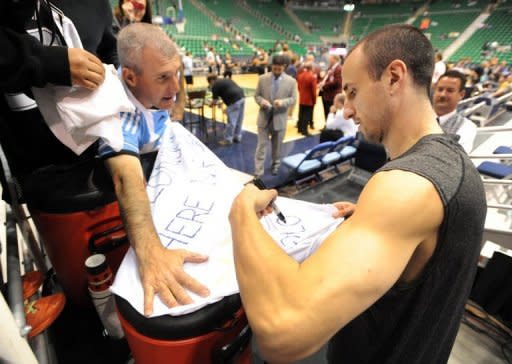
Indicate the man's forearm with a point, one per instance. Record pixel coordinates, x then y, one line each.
136 212
264 284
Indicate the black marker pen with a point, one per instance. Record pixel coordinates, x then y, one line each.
259 183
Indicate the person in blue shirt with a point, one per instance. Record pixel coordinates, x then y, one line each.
150 72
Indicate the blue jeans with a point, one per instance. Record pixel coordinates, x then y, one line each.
235 113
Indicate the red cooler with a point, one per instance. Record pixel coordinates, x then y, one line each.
76 214
216 334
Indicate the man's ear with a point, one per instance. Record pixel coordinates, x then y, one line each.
396 72
129 77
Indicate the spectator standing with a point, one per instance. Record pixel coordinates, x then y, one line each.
306 83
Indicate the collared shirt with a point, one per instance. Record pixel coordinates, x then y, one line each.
466 132
338 122
142 130
275 86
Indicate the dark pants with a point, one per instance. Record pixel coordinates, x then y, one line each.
217 68
327 106
305 118
330 135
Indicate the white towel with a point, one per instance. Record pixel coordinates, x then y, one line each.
191 192
78 117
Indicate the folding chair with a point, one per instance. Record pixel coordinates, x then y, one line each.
495 170
196 102
309 162
341 151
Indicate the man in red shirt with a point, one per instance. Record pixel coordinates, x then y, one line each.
306 82
331 83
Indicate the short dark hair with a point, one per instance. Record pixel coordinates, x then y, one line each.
399 41
455 74
279 60
212 77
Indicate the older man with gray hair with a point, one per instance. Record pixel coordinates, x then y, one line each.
150 74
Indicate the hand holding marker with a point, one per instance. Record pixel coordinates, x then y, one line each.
259 183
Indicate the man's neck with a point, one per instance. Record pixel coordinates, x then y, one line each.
414 120
132 95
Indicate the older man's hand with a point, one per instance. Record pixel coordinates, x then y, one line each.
162 273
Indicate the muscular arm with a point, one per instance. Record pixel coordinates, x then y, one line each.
354 267
161 269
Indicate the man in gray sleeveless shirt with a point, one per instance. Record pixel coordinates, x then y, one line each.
390 284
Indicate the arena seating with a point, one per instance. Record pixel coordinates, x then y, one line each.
445 27
497 28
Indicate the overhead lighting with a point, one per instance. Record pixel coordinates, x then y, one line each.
348 7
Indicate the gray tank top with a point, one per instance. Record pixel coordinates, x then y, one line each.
417 322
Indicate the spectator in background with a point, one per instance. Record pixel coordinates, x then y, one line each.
310 58
449 90
291 70
131 11
211 59
262 61
275 93
306 83
439 68
188 66
504 85
287 53
336 125
233 96
228 66
331 83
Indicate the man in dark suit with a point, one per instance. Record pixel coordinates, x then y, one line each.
331 83
275 93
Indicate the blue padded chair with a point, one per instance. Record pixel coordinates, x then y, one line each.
496 170
309 162
502 149
342 150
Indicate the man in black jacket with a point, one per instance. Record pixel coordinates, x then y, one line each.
233 96
28 60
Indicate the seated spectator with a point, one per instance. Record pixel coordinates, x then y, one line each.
504 86
336 125
150 73
448 91
233 96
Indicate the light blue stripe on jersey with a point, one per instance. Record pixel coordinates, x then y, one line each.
137 136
